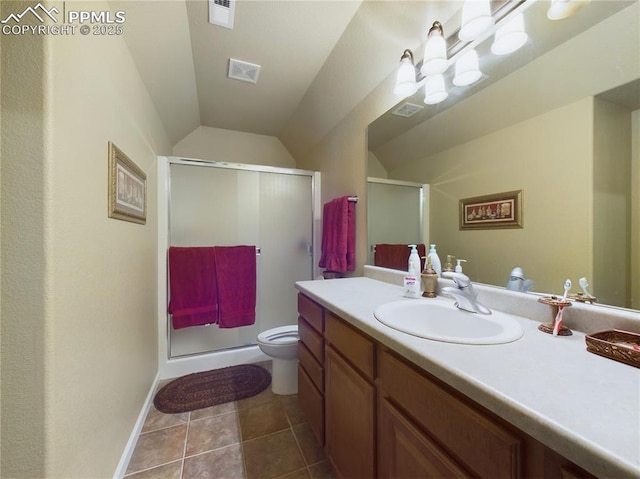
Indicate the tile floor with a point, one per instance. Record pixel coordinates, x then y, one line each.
261 437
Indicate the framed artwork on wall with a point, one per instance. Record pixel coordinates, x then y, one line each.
500 210
127 188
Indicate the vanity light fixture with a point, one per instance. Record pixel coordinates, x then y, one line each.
478 23
406 84
435 52
510 36
476 19
560 9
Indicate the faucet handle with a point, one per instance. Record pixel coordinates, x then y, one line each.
460 279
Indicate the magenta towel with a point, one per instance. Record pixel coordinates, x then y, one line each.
396 256
193 287
236 278
338 235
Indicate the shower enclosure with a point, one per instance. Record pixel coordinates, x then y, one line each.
222 204
398 212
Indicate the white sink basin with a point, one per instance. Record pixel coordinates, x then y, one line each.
441 321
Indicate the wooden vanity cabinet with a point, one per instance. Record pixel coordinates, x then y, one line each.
311 364
455 435
350 399
379 415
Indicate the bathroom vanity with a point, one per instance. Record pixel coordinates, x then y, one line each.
387 404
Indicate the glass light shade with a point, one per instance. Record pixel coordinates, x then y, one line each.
467 69
510 36
560 9
476 19
434 90
435 53
406 78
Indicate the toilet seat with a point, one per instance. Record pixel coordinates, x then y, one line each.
281 335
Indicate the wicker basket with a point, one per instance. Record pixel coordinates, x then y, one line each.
621 346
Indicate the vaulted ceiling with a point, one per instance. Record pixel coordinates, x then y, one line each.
318 60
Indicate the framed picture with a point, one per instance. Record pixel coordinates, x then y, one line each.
500 210
127 188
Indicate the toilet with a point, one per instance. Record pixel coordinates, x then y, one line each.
281 344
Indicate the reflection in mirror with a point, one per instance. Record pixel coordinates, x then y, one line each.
395 215
559 121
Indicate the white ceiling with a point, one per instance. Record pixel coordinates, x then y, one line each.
319 59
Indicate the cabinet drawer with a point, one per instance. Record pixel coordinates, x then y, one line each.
311 366
356 348
311 403
311 339
312 312
471 435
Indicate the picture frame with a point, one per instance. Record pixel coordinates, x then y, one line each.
127 195
495 211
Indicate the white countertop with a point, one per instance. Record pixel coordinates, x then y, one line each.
583 406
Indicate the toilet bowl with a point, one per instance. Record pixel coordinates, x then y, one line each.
281 344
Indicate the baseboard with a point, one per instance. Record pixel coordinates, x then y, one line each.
137 429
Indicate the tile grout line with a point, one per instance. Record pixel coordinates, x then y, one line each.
242 454
184 448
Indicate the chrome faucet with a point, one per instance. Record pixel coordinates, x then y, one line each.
464 294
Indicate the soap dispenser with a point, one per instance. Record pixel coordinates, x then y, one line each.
429 280
459 266
413 266
435 260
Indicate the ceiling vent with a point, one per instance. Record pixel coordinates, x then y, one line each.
221 12
407 110
244 71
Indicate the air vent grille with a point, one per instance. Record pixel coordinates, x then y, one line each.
244 71
407 110
222 12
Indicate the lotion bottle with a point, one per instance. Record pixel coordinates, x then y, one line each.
412 282
435 260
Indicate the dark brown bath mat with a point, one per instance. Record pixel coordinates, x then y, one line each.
200 390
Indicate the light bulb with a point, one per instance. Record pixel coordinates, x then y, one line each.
561 9
476 19
434 90
510 36
406 77
435 52
467 70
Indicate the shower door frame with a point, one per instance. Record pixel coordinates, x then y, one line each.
172 366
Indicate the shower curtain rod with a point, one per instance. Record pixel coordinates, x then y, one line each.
353 199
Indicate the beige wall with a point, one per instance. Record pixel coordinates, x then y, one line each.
549 158
79 341
374 167
215 144
341 157
23 293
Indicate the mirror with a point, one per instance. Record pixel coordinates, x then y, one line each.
559 120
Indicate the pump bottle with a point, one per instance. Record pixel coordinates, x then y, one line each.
435 260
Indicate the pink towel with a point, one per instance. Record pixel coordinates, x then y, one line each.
236 277
338 235
193 286
396 256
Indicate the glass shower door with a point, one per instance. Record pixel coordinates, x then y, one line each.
220 206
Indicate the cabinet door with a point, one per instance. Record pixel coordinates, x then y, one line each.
405 452
349 416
